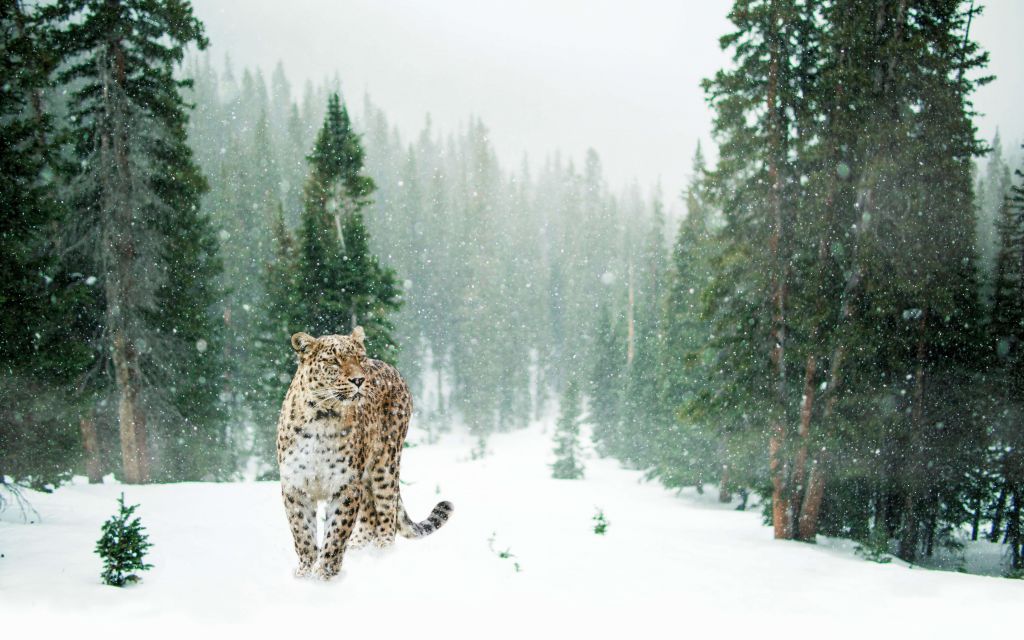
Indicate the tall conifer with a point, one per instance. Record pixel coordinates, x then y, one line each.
136 206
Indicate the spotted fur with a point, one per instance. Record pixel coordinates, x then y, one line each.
339 441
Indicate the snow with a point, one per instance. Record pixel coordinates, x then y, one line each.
679 564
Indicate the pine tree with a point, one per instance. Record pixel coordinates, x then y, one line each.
341 283
991 193
762 107
123 546
136 204
48 304
845 271
1007 332
644 415
688 450
605 386
568 465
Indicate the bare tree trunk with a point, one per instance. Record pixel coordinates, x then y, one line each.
909 539
814 494
91 446
975 517
782 515
132 421
806 521
120 256
806 409
997 517
1013 531
724 494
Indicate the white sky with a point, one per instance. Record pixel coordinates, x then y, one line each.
545 75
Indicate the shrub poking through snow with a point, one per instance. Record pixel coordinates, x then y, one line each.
600 523
505 555
876 547
123 546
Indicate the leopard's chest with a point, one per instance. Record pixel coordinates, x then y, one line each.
321 458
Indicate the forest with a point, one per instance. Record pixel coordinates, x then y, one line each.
835 325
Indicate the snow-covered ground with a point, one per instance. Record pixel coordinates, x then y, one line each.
679 566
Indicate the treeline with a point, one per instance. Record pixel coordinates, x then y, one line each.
838 330
499 271
172 224
836 323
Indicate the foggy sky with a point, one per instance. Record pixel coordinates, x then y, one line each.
545 75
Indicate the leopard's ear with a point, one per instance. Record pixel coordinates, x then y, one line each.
359 335
301 342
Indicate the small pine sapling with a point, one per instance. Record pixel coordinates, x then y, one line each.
600 522
567 464
123 546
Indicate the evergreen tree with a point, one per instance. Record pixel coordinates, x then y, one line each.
341 283
48 305
568 465
605 388
644 415
123 546
991 193
1007 331
848 220
136 205
275 360
762 106
688 450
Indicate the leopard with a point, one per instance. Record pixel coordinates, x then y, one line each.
340 437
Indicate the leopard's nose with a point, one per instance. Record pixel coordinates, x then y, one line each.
357 381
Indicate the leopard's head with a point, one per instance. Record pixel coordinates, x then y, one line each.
332 366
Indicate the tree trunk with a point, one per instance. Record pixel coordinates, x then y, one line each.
976 518
1013 531
810 510
911 525
782 515
800 470
90 443
132 421
997 517
120 257
724 494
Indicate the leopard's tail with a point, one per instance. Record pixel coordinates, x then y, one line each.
410 529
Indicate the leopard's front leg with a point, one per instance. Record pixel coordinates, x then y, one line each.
341 510
301 511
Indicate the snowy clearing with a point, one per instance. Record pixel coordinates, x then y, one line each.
223 558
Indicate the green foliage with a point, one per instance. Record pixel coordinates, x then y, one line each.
135 190
606 383
875 548
504 554
123 546
48 303
600 523
568 465
340 282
